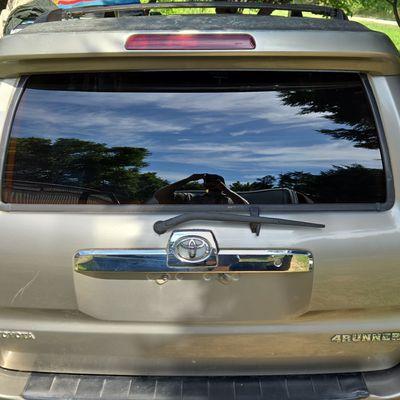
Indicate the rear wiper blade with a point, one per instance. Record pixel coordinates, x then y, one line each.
161 227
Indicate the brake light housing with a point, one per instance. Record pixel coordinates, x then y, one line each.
194 41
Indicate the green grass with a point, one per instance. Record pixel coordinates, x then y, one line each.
392 31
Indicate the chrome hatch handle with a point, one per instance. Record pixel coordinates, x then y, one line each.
153 264
189 254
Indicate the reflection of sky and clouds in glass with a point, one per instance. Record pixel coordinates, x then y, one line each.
241 136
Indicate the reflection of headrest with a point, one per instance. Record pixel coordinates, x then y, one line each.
212 178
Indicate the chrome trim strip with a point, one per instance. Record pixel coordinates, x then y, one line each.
122 252
104 262
123 260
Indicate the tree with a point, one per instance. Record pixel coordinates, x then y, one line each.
85 165
395 6
299 181
372 4
266 182
349 111
340 184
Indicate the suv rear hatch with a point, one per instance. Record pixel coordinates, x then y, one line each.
93 159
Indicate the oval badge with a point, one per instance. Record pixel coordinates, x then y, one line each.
192 249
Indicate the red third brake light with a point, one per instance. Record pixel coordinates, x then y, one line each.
203 41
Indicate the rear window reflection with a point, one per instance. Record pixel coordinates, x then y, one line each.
204 138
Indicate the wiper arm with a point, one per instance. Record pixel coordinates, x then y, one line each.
161 227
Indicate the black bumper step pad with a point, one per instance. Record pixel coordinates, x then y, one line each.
43 386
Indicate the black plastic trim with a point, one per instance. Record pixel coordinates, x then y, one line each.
387 165
296 387
9 121
383 384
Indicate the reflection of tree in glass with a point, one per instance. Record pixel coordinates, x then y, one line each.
75 162
266 182
345 106
299 181
348 184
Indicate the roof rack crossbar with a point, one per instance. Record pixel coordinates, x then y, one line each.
335 13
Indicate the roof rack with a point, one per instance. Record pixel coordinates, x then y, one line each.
295 9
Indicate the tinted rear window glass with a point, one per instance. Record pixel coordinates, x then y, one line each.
194 138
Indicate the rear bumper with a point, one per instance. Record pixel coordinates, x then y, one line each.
383 384
35 386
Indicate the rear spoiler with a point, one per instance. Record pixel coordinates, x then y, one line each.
71 51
